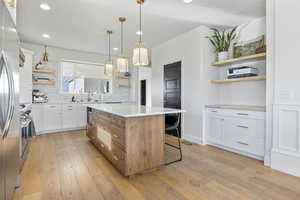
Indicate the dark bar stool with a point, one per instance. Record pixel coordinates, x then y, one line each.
175 127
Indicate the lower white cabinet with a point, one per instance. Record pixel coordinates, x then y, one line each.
58 117
240 131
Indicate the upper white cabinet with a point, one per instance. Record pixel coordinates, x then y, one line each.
12 8
26 78
237 130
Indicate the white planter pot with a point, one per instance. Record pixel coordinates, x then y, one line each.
224 55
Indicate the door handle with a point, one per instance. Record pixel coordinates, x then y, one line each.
11 101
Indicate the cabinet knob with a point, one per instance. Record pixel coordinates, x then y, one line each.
239 126
243 143
245 114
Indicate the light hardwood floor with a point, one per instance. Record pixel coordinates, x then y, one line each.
66 166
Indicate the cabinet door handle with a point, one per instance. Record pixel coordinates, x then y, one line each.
115 135
243 143
239 126
245 114
52 106
214 111
70 109
115 157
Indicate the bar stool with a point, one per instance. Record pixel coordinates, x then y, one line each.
175 127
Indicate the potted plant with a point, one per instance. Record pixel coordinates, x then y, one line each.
221 40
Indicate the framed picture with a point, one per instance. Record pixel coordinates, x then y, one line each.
248 48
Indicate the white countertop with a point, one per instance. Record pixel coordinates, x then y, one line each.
133 110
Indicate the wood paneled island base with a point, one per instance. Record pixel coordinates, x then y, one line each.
134 145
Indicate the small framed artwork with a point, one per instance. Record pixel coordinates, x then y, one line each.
250 47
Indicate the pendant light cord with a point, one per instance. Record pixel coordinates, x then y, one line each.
122 37
109 56
141 23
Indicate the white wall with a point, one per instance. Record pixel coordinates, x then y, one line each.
284 89
193 49
56 55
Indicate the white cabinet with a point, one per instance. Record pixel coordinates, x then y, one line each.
59 117
38 117
69 117
52 117
26 78
240 131
81 116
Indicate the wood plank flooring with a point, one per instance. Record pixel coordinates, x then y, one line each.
66 166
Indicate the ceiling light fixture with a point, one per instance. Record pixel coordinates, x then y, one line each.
109 65
187 1
140 52
45 6
46 36
116 49
122 60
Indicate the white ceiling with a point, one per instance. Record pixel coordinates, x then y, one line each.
82 24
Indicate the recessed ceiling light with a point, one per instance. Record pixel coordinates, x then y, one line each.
116 49
187 1
45 6
139 33
46 36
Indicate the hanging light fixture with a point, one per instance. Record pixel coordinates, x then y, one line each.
109 65
122 60
141 53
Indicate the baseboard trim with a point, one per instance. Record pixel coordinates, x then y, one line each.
286 163
192 139
61 130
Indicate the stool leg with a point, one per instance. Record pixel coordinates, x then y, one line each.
179 148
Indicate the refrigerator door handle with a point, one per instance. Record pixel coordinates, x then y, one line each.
11 95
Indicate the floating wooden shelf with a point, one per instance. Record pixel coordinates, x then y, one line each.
254 78
123 77
43 71
230 61
43 82
124 86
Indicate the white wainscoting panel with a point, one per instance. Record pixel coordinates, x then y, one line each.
286 139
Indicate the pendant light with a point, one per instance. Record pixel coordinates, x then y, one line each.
140 52
45 56
109 65
122 60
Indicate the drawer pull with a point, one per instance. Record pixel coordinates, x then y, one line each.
115 158
70 109
115 136
243 143
239 126
214 111
244 114
52 106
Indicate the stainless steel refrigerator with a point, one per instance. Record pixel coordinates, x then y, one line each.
9 102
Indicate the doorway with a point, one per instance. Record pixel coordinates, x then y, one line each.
143 92
172 90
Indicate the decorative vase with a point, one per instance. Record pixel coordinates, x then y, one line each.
223 55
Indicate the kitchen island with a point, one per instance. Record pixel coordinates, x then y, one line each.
131 137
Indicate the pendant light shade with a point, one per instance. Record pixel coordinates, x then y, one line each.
109 65
122 60
141 54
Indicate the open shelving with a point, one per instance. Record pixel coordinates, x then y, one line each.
43 82
243 58
253 78
50 71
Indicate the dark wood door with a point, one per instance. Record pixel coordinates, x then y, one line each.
172 85
172 92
